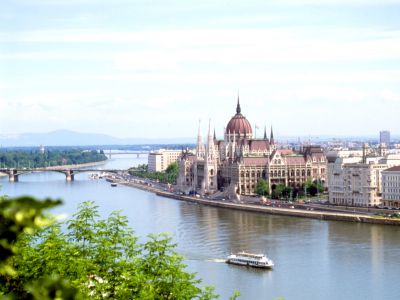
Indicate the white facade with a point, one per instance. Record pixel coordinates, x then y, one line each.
356 183
391 187
160 160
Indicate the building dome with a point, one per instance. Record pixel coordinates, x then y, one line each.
239 124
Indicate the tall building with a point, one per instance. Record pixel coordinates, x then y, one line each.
235 164
159 161
384 137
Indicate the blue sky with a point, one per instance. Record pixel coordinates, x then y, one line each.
153 68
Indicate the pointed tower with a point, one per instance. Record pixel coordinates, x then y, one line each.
200 145
233 149
210 164
265 132
238 109
239 124
271 137
210 143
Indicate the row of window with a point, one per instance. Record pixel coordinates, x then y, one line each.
391 184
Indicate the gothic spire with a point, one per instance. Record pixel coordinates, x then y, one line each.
210 141
215 137
265 132
271 139
199 140
238 110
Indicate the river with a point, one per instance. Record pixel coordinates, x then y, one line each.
313 259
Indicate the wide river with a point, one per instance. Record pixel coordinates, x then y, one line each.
313 259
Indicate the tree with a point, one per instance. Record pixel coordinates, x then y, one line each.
89 257
313 187
262 188
172 172
18 219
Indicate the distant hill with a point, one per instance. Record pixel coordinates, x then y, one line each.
72 138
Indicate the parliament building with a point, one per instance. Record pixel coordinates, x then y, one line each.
234 165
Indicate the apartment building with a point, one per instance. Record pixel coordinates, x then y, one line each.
159 161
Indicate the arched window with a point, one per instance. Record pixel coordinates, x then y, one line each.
297 172
303 173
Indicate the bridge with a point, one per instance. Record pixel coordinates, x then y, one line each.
13 173
138 153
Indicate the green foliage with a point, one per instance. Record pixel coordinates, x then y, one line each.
281 191
262 188
313 187
90 258
35 159
18 216
169 176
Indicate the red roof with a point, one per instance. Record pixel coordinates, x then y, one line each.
239 125
258 145
295 160
286 152
396 168
255 161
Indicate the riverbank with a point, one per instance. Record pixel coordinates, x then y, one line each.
291 212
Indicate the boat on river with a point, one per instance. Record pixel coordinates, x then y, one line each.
114 184
251 260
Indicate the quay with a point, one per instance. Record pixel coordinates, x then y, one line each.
292 212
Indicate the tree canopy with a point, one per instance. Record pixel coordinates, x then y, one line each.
169 176
87 257
262 188
36 159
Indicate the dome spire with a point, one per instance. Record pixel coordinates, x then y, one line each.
238 110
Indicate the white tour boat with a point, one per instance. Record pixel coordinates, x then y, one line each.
250 259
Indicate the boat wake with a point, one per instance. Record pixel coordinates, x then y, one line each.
217 260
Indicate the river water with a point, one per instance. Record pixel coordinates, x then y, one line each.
313 259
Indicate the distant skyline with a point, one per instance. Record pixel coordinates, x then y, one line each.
152 69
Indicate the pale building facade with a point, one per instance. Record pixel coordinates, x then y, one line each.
237 163
159 161
357 180
391 187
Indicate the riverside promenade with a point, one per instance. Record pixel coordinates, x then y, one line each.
259 208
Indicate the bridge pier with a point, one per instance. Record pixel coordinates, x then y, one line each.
69 175
13 175
13 178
